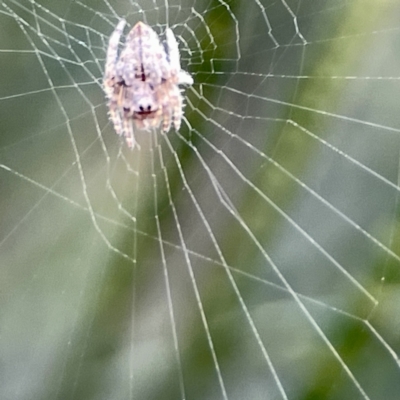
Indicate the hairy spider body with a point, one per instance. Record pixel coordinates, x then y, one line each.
142 84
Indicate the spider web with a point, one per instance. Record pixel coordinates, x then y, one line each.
253 254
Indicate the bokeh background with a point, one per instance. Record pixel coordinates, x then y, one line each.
252 255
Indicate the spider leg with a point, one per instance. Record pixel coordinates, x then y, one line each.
166 115
123 125
115 117
180 77
129 135
112 55
184 78
177 111
175 105
166 125
173 52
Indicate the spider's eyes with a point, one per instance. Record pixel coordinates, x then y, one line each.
141 108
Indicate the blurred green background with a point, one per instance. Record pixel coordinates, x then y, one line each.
252 255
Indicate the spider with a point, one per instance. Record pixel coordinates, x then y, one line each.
142 83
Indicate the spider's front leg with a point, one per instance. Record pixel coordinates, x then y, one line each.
167 108
115 116
122 121
167 118
128 133
112 56
177 107
179 76
177 111
172 107
173 53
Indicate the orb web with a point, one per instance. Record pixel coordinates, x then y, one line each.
251 254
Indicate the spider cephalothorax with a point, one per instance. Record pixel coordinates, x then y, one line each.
142 84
